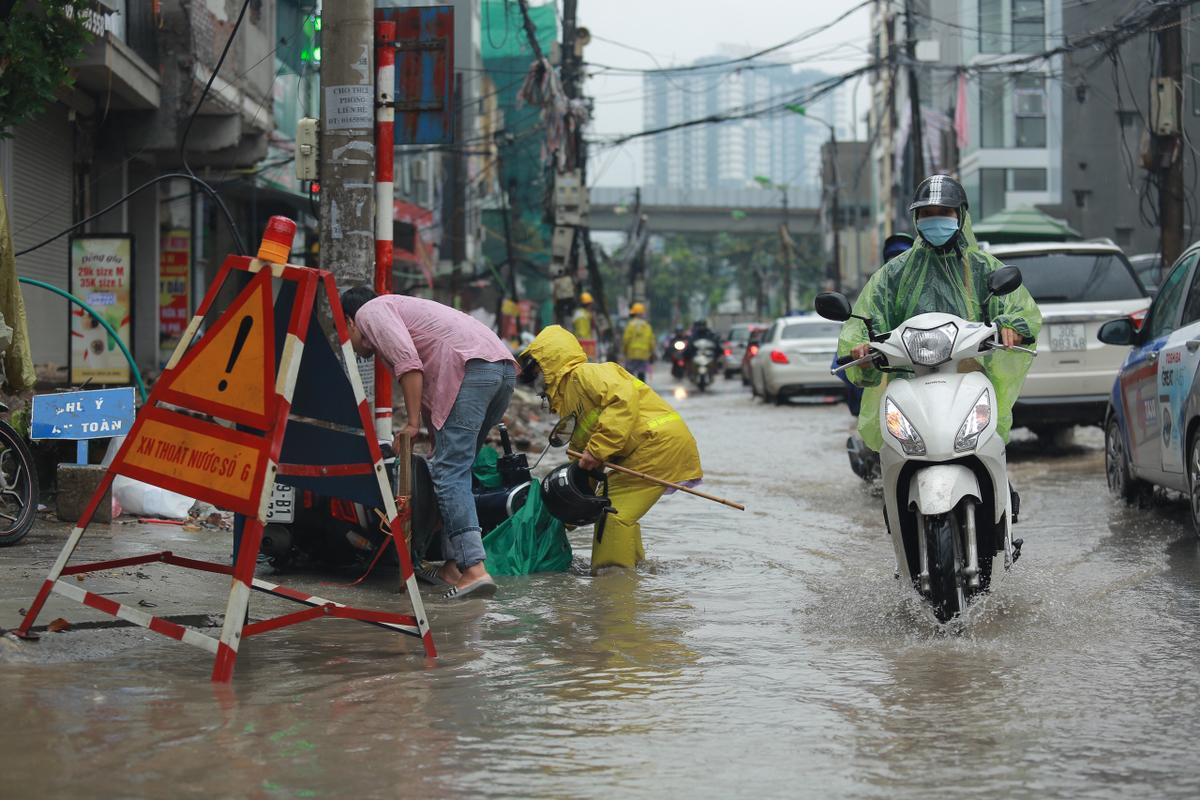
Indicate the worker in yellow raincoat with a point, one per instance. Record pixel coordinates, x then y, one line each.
637 343
618 419
584 321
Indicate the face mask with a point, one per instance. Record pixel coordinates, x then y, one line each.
937 230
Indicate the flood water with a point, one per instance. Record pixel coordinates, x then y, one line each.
767 653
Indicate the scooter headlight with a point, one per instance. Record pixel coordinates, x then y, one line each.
930 347
902 430
977 419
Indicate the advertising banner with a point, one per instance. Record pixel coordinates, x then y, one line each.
101 276
174 291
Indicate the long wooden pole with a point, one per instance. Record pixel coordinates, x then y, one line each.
661 482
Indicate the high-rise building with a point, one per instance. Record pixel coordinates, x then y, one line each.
781 145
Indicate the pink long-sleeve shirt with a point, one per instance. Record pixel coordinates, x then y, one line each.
415 334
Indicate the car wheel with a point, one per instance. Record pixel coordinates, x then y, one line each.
1121 482
745 380
1194 479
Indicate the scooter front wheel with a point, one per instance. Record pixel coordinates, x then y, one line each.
945 594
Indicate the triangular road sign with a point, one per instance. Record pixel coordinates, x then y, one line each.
230 372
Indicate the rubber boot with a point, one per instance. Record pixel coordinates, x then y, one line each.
620 545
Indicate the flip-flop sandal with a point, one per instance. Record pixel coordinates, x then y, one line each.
430 575
484 587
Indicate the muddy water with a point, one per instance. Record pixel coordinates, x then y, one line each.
768 653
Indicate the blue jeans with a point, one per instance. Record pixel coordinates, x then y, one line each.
480 405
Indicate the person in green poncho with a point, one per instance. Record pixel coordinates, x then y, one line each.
946 271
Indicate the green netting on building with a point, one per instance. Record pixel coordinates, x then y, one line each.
506 59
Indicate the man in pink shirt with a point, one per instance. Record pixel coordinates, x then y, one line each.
456 370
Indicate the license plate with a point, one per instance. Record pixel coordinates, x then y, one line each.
282 507
1068 337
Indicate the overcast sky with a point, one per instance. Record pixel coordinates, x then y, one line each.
676 32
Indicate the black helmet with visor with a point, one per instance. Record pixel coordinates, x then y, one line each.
940 190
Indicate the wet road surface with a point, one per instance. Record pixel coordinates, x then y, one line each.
766 653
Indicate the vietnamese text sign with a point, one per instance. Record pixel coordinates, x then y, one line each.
197 458
174 290
349 107
93 414
101 276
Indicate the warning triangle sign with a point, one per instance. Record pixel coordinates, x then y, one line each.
230 373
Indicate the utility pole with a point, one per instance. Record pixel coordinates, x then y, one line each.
788 254
916 135
348 143
1167 124
836 277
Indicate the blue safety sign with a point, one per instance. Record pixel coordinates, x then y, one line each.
94 414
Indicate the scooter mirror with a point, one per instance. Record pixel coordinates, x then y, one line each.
563 430
833 306
1005 280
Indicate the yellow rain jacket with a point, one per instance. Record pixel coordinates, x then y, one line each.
618 418
621 420
582 323
638 341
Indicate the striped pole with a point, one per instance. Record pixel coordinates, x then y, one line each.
385 116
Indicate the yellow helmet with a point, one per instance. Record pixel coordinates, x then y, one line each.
586 298
637 308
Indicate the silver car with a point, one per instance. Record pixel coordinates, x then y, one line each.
1078 286
734 346
794 359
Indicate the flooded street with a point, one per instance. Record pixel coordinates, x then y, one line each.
760 653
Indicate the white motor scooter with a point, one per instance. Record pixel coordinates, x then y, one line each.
946 494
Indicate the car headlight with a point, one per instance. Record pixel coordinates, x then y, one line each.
930 347
977 419
902 430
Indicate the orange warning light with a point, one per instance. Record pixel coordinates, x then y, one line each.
277 240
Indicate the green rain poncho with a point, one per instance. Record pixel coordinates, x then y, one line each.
953 281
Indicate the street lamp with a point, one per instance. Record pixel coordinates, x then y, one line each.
836 276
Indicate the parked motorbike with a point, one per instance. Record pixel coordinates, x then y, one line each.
702 366
949 507
306 529
18 475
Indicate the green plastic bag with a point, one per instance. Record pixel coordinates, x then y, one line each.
529 541
486 473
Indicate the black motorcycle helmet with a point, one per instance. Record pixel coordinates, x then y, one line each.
896 244
529 368
940 190
569 497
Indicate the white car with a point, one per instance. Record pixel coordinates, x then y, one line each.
794 358
1078 286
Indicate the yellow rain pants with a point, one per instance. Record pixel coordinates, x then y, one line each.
619 544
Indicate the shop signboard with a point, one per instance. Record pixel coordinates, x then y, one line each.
101 276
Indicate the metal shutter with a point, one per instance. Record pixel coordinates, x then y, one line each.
40 206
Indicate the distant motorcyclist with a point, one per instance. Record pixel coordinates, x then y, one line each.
637 343
946 271
700 330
